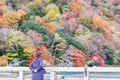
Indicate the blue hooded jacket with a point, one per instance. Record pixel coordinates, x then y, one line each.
37 64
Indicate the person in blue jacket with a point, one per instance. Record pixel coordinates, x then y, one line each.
37 68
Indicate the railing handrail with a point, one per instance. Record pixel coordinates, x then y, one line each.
103 69
53 70
80 69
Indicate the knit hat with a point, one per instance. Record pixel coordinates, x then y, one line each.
38 54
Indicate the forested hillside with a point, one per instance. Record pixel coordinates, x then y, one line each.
67 33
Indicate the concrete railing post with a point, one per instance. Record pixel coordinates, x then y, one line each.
52 75
21 75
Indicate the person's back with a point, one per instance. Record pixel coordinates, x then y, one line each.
37 68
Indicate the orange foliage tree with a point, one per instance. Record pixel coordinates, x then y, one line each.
50 27
75 6
45 54
103 24
78 57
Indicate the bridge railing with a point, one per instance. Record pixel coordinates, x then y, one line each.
63 73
